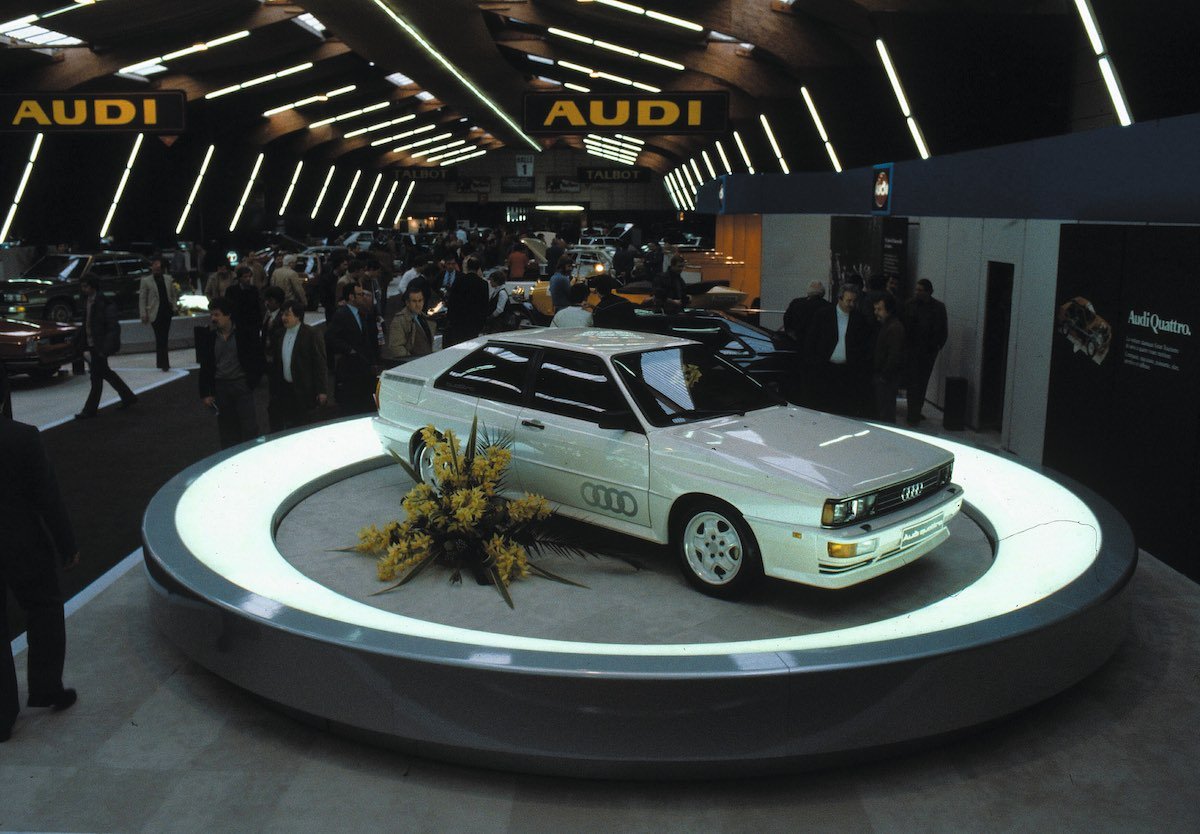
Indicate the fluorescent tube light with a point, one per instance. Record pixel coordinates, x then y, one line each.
195 189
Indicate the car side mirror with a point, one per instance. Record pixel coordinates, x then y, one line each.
623 420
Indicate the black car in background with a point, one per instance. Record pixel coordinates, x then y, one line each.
50 289
770 358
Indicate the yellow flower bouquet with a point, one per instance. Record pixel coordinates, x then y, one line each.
462 521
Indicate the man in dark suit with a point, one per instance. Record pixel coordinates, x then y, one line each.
299 379
927 331
102 338
35 528
231 364
351 341
467 299
837 352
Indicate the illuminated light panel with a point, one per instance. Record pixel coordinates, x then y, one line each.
724 158
237 215
837 166
195 189
455 152
321 195
687 175
20 192
437 148
696 168
458 159
404 202
650 13
262 79
614 47
397 137
1089 24
1115 92
287 198
540 60
310 100
383 209
350 114
381 125
774 145
712 172
612 157
558 207
632 139
901 99
362 218
445 62
593 73
681 190
399 79
742 147
350 191
112 209
153 65
423 142
669 184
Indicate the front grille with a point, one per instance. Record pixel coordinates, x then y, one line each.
909 492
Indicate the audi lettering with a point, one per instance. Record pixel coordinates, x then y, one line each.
659 437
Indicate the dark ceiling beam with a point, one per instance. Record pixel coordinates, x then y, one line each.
79 66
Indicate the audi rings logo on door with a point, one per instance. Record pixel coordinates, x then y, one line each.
608 499
912 491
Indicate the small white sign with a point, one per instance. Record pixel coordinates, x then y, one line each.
524 165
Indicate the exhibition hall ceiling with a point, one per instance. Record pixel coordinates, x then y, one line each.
808 81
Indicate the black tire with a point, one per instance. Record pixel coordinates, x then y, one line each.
717 551
422 462
60 311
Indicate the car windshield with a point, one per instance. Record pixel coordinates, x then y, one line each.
689 383
62 267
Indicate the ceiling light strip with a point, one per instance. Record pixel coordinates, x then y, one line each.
650 13
737 139
438 148
724 158
408 117
455 152
430 140
816 117
153 65
708 164
687 175
383 209
618 79
901 99
669 184
262 79
1108 69
613 47
321 195
20 192
237 215
458 159
287 198
304 102
350 114
183 216
774 145
404 202
346 202
362 218
112 209
445 62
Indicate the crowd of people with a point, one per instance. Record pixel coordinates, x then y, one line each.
860 350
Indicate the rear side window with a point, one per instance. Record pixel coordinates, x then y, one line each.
104 269
495 372
577 386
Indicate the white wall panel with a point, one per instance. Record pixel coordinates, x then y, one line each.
795 251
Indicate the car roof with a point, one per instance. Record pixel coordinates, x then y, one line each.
592 339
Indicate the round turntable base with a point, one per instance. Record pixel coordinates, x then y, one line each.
636 675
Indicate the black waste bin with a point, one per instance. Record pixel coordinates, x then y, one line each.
955 415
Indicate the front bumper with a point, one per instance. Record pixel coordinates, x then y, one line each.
801 554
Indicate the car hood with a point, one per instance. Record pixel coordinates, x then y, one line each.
773 449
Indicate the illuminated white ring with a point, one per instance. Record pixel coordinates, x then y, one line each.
209 536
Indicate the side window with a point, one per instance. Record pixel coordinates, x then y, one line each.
106 271
494 372
575 385
135 268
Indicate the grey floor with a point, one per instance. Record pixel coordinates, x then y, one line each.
156 743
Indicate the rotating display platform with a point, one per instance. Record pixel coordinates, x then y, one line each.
638 675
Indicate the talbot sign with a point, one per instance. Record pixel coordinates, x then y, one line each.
160 112
661 113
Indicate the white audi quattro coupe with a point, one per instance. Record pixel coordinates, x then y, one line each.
660 438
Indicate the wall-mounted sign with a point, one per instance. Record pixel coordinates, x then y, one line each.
160 112
516 185
881 190
524 165
562 185
601 175
474 185
422 174
672 113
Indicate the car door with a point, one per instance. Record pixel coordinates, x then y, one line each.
562 453
488 383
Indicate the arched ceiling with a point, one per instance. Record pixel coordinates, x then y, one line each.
975 72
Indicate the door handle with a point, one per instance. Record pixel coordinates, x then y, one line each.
533 424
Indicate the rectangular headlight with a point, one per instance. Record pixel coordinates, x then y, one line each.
837 513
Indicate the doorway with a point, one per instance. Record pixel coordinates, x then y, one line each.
997 319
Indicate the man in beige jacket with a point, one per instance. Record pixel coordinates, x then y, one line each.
288 280
156 306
